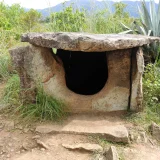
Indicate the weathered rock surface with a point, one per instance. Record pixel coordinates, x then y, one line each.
137 72
99 156
138 136
84 146
115 133
112 154
155 130
87 42
42 144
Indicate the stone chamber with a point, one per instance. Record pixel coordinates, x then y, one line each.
89 72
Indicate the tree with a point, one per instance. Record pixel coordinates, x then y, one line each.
10 16
30 19
68 20
107 22
119 10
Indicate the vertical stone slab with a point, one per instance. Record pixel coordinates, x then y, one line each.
33 64
137 72
21 61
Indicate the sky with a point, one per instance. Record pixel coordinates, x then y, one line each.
38 4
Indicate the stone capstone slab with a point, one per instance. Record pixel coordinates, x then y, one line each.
87 42
114 133
84 146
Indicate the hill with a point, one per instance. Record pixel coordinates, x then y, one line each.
93 5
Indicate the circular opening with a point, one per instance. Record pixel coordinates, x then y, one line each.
85 72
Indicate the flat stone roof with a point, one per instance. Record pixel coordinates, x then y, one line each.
87 42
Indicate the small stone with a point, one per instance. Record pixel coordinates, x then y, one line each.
36 137
112 154
3 152
84 146
10 145
42 144
26 130
19 127
9 125
155 131
18 152
31 129
44 129
8 156
143 137
99 157
12 150
131 137
1 126
42 149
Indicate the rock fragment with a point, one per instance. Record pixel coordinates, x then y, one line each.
112 154
84 146
155 130
42 144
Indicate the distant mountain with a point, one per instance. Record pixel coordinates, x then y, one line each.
92 5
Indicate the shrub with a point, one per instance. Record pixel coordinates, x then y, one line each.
151 87
149 24
69 20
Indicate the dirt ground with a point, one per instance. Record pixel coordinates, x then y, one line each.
19 142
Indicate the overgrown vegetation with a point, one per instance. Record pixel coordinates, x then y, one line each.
151 84
4 66
14 21
149 25
12 90
45 108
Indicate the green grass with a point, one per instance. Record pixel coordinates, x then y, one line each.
4 66
143 118
45 108
12 90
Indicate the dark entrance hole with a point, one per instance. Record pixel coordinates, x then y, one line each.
85 72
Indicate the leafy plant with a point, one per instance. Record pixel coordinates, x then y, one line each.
69 20
30 19
149 24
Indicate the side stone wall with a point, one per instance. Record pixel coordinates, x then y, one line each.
137 72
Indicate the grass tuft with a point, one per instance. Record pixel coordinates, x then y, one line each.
12 90
45 108
4 66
